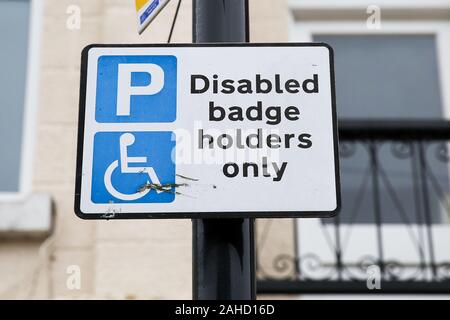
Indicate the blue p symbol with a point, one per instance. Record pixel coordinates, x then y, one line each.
122 99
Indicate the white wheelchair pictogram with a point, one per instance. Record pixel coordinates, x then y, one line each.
126 140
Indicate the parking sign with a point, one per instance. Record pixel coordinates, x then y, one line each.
200 131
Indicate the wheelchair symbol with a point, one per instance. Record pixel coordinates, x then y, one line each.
126 140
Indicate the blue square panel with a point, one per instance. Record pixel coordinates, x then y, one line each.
136 89
125 162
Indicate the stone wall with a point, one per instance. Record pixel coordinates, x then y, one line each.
117 259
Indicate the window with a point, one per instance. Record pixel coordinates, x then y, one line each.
14 25
20 27
20 211
387 76
400 71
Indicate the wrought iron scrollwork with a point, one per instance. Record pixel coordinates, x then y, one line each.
285 265
347 149
401 150
416 151
442 153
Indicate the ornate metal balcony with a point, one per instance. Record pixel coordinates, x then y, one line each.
394 226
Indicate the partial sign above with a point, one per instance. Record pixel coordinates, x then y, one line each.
199 131
147 10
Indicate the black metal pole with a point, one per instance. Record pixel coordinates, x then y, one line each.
223 261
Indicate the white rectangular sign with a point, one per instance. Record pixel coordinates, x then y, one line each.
196 131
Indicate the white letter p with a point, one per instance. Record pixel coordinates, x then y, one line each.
125 90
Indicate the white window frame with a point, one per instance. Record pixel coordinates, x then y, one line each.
315 5
395 237
31 103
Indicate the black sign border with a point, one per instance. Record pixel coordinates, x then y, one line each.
200 215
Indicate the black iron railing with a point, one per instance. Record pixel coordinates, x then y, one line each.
393 232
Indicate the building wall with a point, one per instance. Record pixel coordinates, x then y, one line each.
149 259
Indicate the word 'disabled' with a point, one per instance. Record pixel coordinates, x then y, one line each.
201 84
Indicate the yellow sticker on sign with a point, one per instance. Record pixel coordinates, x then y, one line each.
147 10
140 4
